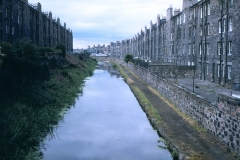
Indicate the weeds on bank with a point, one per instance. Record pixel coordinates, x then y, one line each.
145 103
148 107
27 119
150 110
190 120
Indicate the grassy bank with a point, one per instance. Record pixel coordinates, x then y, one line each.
26 119
149 109
145 103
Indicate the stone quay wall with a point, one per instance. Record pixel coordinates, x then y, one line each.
222 120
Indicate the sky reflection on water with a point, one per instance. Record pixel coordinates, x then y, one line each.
106 123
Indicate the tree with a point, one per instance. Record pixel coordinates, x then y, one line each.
128 57
62 47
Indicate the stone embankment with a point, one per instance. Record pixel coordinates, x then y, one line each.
220 120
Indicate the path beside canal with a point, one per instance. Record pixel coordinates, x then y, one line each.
181 131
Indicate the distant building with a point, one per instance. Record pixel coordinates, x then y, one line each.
204 34
99 49
19 19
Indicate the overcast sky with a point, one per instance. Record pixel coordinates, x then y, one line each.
96 22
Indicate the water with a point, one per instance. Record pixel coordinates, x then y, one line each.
106 123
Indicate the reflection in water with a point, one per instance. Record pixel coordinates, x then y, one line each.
106 123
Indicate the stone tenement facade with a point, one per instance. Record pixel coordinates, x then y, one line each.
204 34
20 19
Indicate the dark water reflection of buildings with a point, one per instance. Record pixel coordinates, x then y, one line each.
108 66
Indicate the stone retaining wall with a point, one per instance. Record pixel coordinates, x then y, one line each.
222 119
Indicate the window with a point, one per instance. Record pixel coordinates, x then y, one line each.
194 30
230 24
222 70
200 49
218 70
12 30
7 29
201 12
200 30
208 29
219 48
208 8
207 69
194 12
229 48
189 32
223 48
207 48
184 16
184 33
200 68
204 10
220 6
203 49
171 36
229 71
224 24
183 49
219 26
193 49
189 49
205 30
230 2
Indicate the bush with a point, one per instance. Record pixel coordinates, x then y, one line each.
61 47
22 66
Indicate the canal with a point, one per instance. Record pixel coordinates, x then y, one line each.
105 123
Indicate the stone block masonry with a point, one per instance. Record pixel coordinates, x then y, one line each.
222 119
20 19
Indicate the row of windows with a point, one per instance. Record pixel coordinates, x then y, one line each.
204 30
229 70
221 48
222 25
223 4
205 47
204 11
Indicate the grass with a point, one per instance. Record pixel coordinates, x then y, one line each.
148 107
25 120
190 120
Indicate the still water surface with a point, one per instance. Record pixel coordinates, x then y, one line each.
106 123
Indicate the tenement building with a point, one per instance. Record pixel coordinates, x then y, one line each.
19 19
204 34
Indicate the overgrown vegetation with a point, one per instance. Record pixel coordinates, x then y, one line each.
33 96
